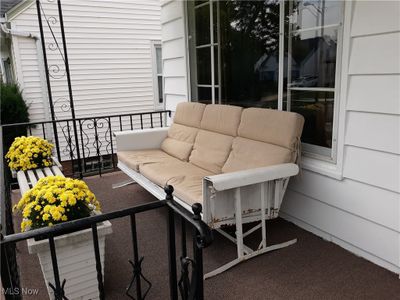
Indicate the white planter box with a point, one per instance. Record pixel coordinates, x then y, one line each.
76 261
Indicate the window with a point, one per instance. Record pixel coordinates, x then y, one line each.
157 74
272 54
203 45
7 71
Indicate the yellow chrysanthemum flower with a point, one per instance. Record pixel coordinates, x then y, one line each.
55 199
28 153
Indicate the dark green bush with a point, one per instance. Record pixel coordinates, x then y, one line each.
13 110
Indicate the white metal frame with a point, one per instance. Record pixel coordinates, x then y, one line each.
269 207
264 189
272 193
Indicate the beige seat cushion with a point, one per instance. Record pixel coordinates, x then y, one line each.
223 119
248 154
211 150
271 126
190 189
186 178
180 140
135 159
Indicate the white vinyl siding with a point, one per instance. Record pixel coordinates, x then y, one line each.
363 95
28 77
174 53
366 132
109 49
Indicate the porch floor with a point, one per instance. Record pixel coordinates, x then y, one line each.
310 269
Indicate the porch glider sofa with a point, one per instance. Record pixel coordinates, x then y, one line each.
236 162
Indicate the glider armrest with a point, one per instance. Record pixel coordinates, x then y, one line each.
140 139
237 179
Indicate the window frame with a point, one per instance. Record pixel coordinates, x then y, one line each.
213 44
331 166
315 151
6 70
154 45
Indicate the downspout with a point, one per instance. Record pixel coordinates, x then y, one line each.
36 38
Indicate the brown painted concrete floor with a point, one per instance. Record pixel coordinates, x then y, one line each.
310 269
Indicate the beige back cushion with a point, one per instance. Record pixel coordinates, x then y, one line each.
179 142
271 126
214 141
211 150
265 137
189 114
182 133
223 119
248 154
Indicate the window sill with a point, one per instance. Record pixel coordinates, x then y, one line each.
325 168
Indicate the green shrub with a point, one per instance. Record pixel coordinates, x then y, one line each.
13 110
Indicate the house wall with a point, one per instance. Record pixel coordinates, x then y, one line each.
361 212
174 53
110 57
358 207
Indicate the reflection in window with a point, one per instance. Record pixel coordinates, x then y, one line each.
317 109
312 50
249 53
313 56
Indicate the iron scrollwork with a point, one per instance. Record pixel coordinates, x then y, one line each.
137 274
70 147
64 104
59 293
187 286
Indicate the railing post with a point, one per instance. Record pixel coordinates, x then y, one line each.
58 287
9 268
9 281
173 286
184 281
46 66
198 256
71 99
98 261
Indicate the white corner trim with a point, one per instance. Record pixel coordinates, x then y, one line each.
344 80
17 61
186 53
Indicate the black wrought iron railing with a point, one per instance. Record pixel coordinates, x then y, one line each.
90 149
190 282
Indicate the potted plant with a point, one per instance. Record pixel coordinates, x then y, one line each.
57 199
28 153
